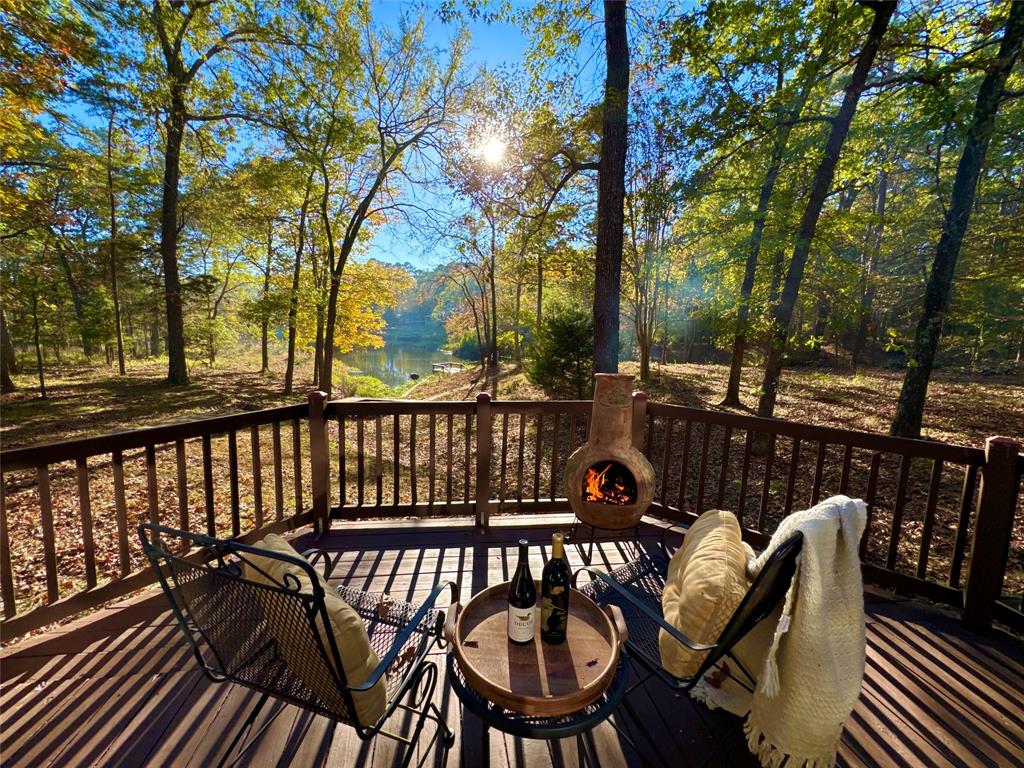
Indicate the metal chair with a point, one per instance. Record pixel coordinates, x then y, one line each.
223 615
637 587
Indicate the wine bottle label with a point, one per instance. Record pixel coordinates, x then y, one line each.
521 622
554 616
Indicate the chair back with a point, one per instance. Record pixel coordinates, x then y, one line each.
765 593
236 625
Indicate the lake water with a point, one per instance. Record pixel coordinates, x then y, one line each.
394 362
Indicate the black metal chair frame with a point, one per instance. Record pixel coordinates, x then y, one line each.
762 597
254 659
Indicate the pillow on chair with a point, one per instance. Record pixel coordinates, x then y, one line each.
707 579
357 655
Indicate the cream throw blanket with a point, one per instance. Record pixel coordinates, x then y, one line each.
810 667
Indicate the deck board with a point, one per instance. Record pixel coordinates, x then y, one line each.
120 687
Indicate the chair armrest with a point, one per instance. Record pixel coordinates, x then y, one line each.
403 636
678 636
664 532
312 555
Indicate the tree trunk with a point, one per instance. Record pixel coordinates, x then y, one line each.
112 200
517 350
492 357
177 371
783 312
540 292
265 324
76 296
293 304
910 408
868 287
8 361
611 190
35 340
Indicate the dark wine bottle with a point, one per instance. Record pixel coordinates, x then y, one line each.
555 582
522 600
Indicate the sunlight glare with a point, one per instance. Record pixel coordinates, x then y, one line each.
492 150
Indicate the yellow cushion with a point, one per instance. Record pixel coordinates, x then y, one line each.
357 655
705 583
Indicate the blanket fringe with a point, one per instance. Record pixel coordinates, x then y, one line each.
771 756
770 676
699 692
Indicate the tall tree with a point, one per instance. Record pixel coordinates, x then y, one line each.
191 35
910 408
782 313
611 190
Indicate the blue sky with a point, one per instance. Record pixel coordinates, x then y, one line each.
493 45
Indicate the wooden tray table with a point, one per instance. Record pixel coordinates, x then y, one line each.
538 679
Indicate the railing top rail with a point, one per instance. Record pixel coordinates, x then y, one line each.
388 407
70 450
958 454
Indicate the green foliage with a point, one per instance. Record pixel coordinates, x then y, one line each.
563 353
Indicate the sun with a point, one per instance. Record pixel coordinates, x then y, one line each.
492 150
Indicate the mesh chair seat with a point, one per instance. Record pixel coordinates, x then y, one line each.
383 627
644 580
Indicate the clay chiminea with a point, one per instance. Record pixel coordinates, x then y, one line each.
609 483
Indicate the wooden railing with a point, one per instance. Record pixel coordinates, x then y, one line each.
398 458
78 548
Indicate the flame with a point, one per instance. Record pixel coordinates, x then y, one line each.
597 487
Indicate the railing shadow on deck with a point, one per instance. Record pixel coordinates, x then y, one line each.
941 516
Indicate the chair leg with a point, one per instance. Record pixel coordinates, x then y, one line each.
427 679
242 730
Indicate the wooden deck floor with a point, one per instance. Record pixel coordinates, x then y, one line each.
119 688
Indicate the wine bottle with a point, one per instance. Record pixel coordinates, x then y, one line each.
522 600
555 582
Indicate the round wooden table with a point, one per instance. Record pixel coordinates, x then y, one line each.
537 690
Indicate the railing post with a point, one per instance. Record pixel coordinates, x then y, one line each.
483 458
639 420
992 531
318 461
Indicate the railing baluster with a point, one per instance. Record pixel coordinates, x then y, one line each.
360 461
844 481
704 443
536 457
297 463
449 459
554 457
791 483
279 474
929 519
650 434
181 463
876 457
46 521
819 469
121 512
744 473
522 453
684 469
211 523
467 434
257 475
396 455
960 544
571 444
432 462
413 480
378 470
152 498
6 571
666 460
236 526
504 460
85 510
897 514
724 470
762 512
